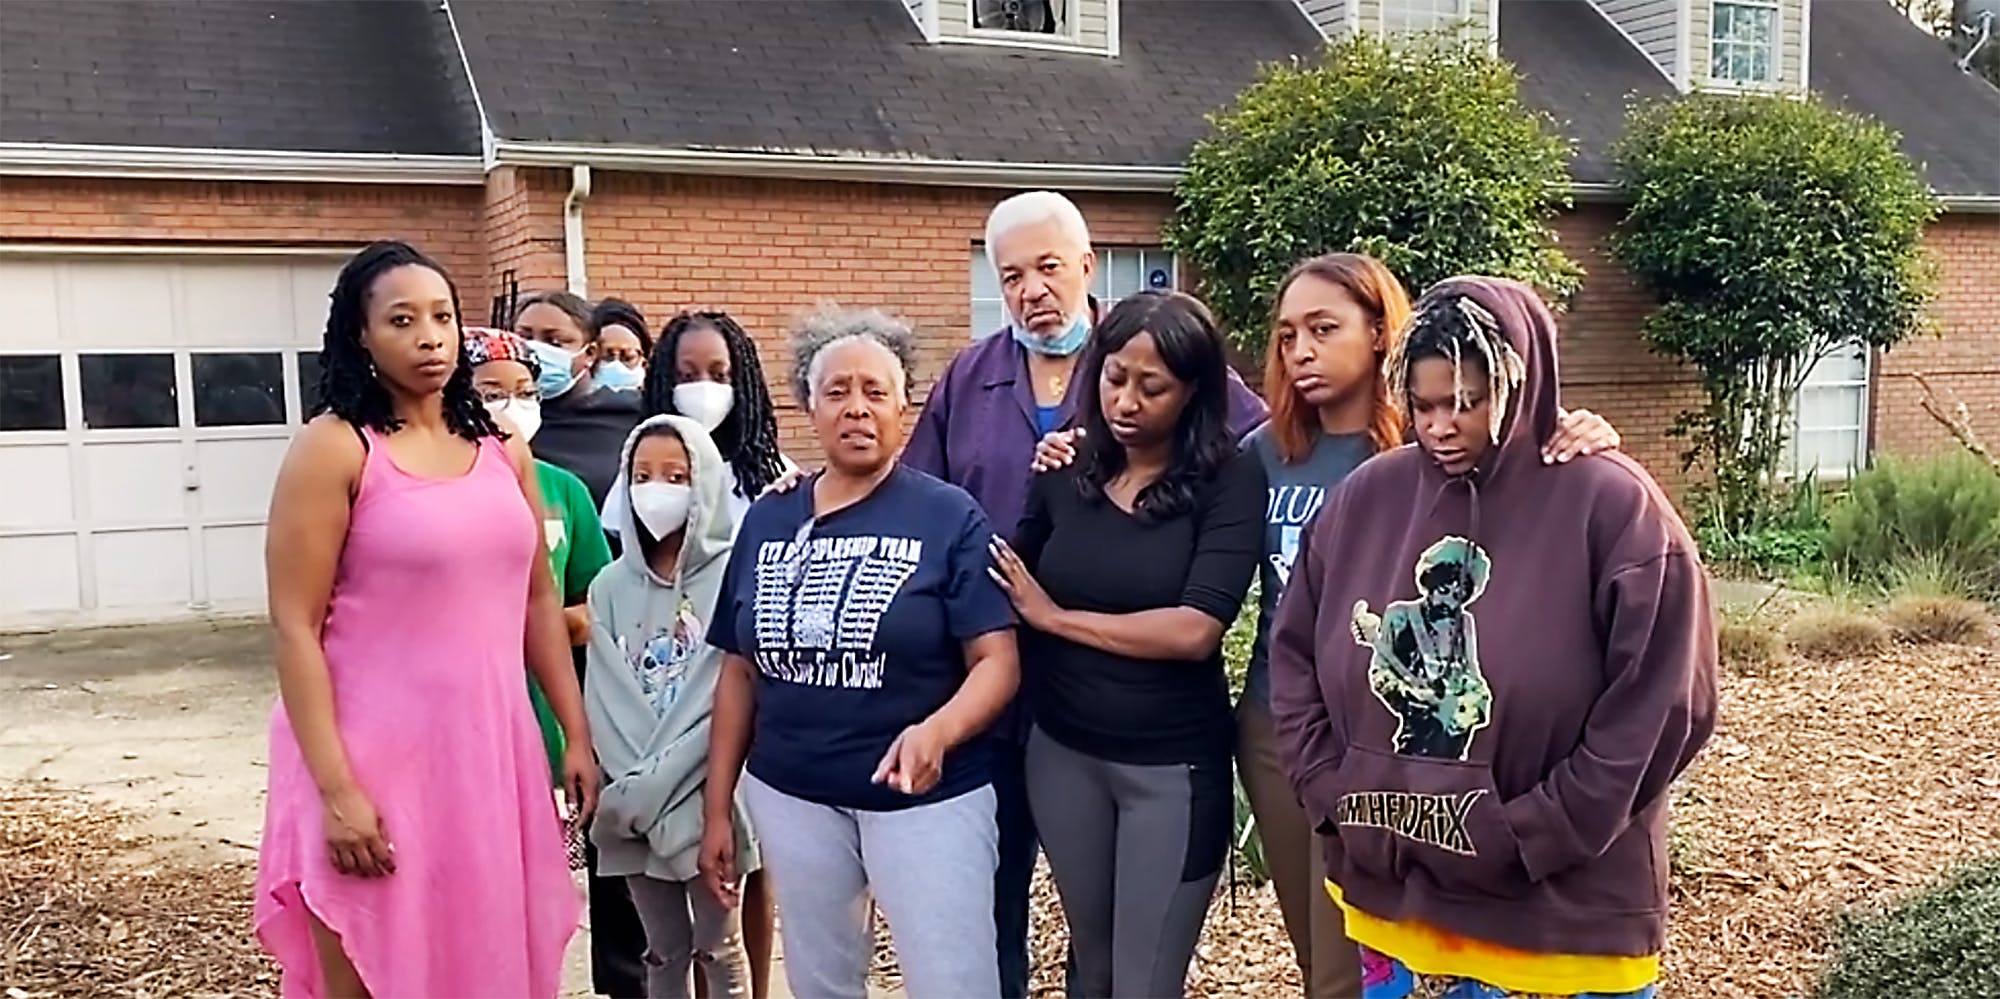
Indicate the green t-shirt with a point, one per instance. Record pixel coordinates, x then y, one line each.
577 553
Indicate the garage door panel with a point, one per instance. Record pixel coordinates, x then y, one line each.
236 478
312 282
37 492
234 559
142 569
232 303
136 483
33 317
42 575
115 303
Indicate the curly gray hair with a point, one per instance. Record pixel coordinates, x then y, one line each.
831 324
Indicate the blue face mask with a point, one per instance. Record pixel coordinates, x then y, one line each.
1064 344
557 369
620 377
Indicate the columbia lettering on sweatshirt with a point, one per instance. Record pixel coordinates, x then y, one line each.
1485 684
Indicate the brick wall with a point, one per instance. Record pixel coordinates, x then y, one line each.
769 250
442 220
1963 360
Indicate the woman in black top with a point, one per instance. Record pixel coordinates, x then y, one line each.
1126 570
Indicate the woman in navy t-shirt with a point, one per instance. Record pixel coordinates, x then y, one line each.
868 652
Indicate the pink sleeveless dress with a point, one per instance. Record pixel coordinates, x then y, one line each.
424 640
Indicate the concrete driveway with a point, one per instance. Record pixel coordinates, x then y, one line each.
170 721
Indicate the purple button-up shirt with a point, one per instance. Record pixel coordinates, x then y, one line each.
978 429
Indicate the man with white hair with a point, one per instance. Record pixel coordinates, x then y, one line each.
978 431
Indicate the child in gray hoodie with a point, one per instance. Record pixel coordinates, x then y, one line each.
649 692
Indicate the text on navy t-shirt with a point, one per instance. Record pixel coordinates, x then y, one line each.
855 623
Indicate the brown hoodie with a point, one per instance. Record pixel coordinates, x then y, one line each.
1485 684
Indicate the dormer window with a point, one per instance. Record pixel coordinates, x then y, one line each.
1406 17
1045 18
1743 42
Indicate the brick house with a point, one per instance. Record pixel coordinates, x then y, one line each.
179 180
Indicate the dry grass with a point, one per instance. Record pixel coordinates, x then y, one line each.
1938 619
1749 643
1832 633
79 918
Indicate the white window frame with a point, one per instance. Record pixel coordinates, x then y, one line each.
1429 12
1775 60
1100 284
1863 385
1069 26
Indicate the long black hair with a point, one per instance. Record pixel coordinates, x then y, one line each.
748 436
348 385
1186 337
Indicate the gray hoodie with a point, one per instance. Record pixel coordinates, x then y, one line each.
650 686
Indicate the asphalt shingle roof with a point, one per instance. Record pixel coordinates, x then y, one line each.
1871 59
1578 68
322 76
856 76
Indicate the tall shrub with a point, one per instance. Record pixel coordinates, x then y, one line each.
1935 518
1419 152
1773 231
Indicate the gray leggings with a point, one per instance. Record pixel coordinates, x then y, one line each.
685 925
1135 851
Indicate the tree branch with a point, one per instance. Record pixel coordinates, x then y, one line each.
1956 420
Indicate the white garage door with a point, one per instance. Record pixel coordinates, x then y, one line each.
145 403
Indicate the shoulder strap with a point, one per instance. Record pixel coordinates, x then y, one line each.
362 435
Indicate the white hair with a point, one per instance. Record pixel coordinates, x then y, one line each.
1034 208
829 326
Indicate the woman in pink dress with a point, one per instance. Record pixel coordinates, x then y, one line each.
411 845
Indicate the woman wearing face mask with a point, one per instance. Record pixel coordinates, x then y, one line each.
1126 570
623 344
503 373
583 423
706 368
650 692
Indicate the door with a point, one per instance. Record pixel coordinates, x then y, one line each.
145 403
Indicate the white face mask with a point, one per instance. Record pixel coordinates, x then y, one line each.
525 414
706 403
662 506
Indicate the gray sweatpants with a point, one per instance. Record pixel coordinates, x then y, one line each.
685 925
1135 851
929 868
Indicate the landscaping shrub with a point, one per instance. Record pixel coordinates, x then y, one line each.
1836 633
1785 539
1925 618
1942 943
1939 516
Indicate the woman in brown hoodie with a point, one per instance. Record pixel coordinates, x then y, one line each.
1486 671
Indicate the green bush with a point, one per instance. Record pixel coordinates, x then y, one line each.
1785 539
1419 152
1773 232
1942 943
1935 520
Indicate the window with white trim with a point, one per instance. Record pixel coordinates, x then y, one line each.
1743 41
1022 17
1830 416
1406 17
1121 270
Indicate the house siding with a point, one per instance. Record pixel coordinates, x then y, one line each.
1330 16
1653 25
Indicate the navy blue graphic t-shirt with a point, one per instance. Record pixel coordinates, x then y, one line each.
855 623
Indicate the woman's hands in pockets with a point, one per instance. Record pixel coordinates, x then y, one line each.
915 761
1031 602
356 840
717 862
1057 449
